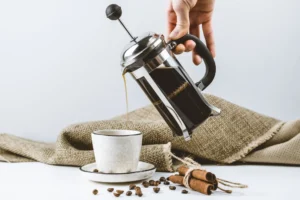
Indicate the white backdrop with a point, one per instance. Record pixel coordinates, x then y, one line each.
59 60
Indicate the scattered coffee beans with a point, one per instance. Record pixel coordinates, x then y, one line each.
128 193
110 189
167 183
95 170
184 191
132 186
120 191
172 187
95 192
156 183
156 189
117 194
162 179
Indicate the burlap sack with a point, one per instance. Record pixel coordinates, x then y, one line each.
227 138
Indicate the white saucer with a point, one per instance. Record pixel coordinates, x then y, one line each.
144 171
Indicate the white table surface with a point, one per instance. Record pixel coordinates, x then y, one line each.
41 182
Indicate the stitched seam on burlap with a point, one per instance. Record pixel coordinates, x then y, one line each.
242 153
168 157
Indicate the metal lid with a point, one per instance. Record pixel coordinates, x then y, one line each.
137 51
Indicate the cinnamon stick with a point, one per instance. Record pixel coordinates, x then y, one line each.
197 185
198 174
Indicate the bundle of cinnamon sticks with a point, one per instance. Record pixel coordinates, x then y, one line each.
200 180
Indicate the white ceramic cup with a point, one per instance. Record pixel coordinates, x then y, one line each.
117 151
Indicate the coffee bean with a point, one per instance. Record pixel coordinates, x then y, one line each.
156 189
95 192
166 183
184 191
128 193
120 191
110 189
132 186
95 170
168 179
156 183
117 194
146 185
172 187
151 182
137 188
162 179
138 191
145 182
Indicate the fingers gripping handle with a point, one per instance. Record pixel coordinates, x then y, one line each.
202 51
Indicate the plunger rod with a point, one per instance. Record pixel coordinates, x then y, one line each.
133 38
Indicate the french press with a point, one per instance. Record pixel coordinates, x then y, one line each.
151 62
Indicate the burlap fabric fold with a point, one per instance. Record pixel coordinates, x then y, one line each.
238 134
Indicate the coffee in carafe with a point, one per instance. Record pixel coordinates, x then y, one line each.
182 96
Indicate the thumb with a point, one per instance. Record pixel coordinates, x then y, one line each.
181 9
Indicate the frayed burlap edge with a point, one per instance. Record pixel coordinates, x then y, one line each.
245 151
168 157
3 159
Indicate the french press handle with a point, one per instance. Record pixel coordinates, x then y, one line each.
203 52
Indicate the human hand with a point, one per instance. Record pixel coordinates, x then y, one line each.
186 16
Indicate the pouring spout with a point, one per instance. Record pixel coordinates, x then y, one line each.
124 70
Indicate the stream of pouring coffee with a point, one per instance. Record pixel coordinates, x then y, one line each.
126 96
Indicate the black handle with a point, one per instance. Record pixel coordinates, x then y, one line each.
203 52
